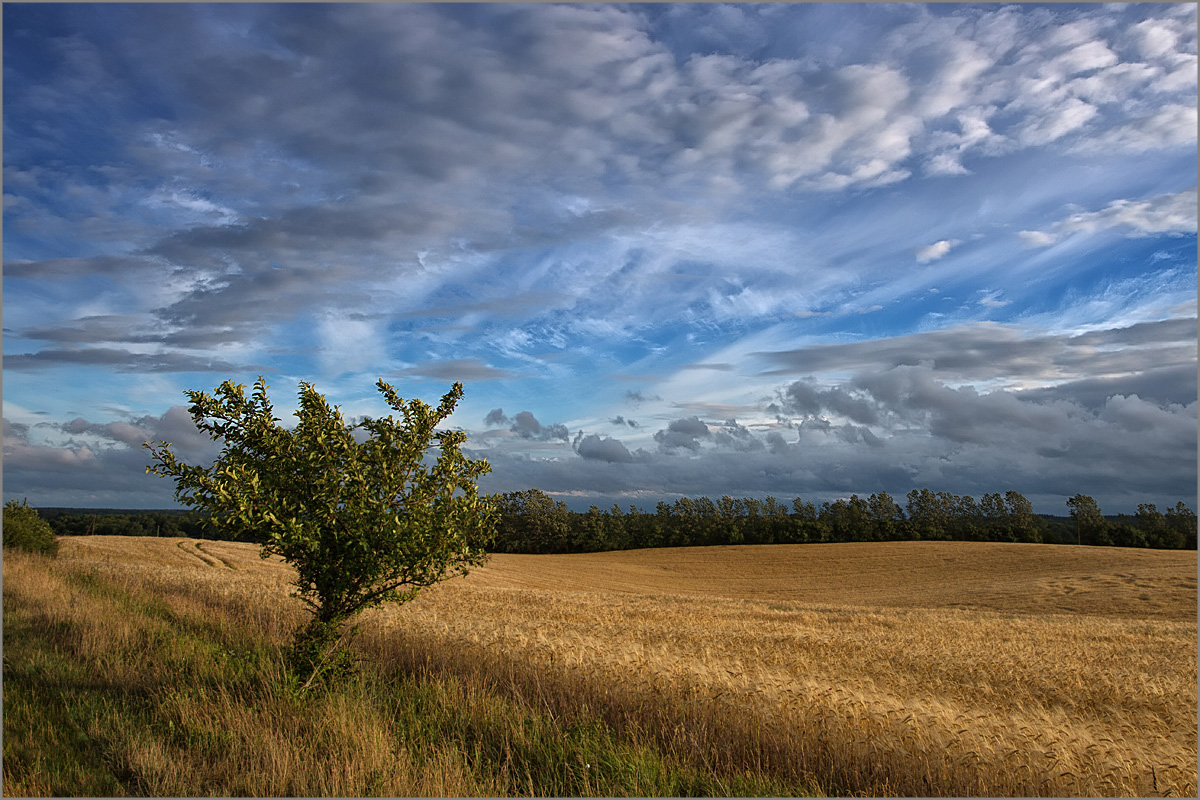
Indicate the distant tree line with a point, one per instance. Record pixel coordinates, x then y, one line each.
127 522
533 522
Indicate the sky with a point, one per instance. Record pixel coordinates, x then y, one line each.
800 250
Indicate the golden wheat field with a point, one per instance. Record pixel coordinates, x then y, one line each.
907 668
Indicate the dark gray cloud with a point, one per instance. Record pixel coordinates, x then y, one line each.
638 397
806 398
526 426
496 418
102 461
602 448
620 420
912 398
988 350
125 328
15 432
1140 334
709 409
175 426
737 437
905 427
776 443
459 369
853 434
126 433
682 434
1129 451
251 295
1174 385
58 268
120 361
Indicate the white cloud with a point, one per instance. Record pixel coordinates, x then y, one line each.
991 299
935 251
1088 56
1182 75
349 344
949 148
1163 214
1172 125
1037 238
945 164
1057 121
1155 38
196 209
1173 213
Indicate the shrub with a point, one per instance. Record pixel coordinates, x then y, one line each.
364 521
25 530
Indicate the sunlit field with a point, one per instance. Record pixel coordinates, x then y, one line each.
906 668
909 668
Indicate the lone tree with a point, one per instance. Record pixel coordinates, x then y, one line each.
1089 522
363 522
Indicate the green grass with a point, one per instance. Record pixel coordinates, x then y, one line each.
54 716
533 753
65 702
111 689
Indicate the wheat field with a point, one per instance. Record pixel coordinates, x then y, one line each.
906 668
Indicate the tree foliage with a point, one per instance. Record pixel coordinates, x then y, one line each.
128 522
1089 522
534 522
25 530
363 522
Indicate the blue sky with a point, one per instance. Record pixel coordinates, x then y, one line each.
792 249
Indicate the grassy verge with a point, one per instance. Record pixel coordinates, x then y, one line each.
113 687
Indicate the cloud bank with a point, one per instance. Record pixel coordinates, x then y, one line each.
807 247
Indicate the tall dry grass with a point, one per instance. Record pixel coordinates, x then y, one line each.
153 667
1023 696
879 702
172 714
